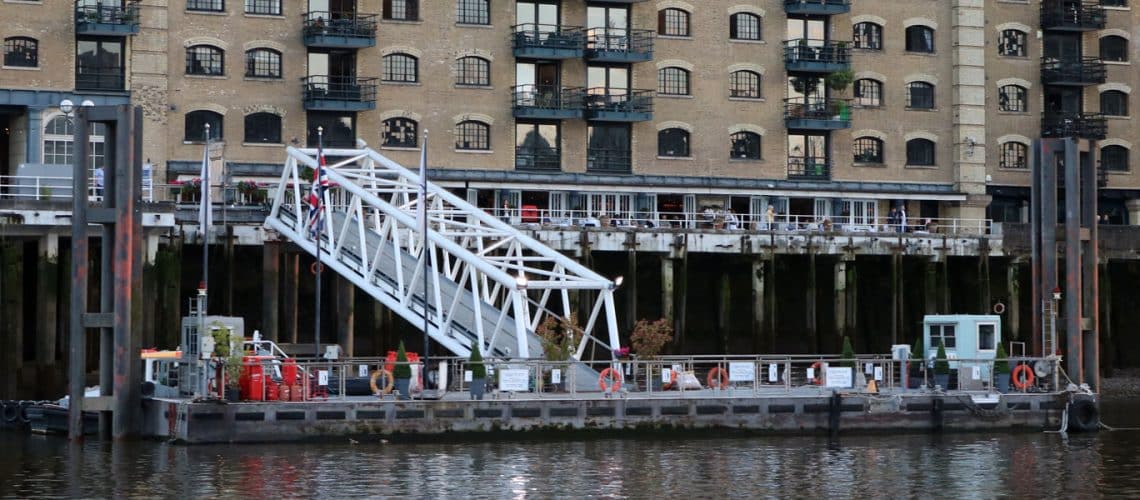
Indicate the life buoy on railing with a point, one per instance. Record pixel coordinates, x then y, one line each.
817 379
999 308
717 378
313 268
672 381
615 379
1022 377
389 382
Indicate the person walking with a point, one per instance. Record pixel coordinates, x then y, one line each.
770 218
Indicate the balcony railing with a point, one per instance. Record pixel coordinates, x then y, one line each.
106 79
816 55
619 45
621 106
608 161
339 29
547 101
1074 72
809 168
538 160
107 19
339 93
817 7
548 41
1069 15
1082 125
817 113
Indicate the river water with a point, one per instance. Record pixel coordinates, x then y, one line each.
737 466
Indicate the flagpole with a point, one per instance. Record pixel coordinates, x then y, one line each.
317 225
204 216
424 228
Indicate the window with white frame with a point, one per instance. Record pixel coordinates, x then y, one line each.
59 143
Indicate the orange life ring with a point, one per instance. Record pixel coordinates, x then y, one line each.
999 308
313 268
614 376
672 381
817 379
389 382
1022 377
719 376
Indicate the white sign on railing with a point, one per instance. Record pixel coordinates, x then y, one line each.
773 373
514 380
666 374
556 376
741 372
323 378
839 377
363 370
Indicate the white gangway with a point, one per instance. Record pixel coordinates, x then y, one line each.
488 284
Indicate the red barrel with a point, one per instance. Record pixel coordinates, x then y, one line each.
272 391
289 372
256 389
284 394
296 394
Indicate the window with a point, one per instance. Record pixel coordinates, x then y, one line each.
744 84
402 10
868 150
473 71
1012 43
868 92
99 64
672 22
473 136
1114 48
337 129
263 7
474 12
673 81
673 142
59 145
400 133
987 338
1114 3
263 63
537 146
264 128
205 60
744 26
1012 98
745 146
868 36
919 39
941 334
206 5
1114 158
21 52
1014 155
196 122
919 152
401 68
1114 103
920 95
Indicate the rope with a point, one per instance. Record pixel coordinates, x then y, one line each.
1113 429
998 413
1064 422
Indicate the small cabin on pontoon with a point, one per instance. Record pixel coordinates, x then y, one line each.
972 339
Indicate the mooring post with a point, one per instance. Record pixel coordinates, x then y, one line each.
106 333
1090 259
630 283
896 295
840 297
667 288
11 309
1074 310
270 288
985 303
1013 308
345 315
770 296
758 270
292 282
810 304
47 304
77 355
834 407
229 266
724 310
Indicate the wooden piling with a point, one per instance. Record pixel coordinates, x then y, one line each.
270 289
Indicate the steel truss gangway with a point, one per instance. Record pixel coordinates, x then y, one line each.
488 283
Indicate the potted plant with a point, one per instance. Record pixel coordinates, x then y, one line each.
648 339
478 373
941 368
228 348
402 372
838 82
915 368
558 341
1001 369
848 360
250 192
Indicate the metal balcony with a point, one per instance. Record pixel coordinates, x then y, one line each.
548 41
1073 73
343 30
546 102
816 56
817 113
608 161
530 159
108 79
119 19
1072 15
1081 125
812 168
619 45
817 7
605 105
338 93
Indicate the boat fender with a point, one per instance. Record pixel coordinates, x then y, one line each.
717 378
11 411
1084 416
614 376
1022 377
818 379
24 405
389 382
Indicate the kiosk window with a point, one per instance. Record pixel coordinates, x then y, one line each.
987 340
941 333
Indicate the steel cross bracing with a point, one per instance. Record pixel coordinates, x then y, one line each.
495 284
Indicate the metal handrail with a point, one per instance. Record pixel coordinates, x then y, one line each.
632 101
548 36
336 23
1087 14
546 97
605 160
817 108
809 167
128 13
821 51
619 40
1084 69
339 88
1086 125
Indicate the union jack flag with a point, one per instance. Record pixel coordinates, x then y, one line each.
317 194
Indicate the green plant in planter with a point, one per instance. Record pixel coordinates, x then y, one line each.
475 363
648 339
840 80
402 370
228 348
557 336
941 366
916 352
1001 361
848 353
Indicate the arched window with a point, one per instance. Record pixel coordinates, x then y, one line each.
399 132
673 142
919 39
59 143
473 71
1114 158
745 146
868 150
744 26
1114 48
21 52
262 128
263 63
920 95
1012 43
196 122
1012 98
402 68
868 92
205 60
1014 155
868 35
472 136
672 22
1114 103
673 81
744 84
920 152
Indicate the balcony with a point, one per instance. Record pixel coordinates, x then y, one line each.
1074 72
809 168
109 79
1072 15
817 113
107 20
530 159
619 45
608 161
1081 125
817 7
816 56
343 30
603 105
546 102
548 41
338 93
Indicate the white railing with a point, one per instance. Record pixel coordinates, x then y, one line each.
54 188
